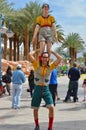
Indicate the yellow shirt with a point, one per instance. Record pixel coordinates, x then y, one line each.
45 21
44 68
42 73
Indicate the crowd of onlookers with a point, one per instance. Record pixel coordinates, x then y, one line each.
83 69
63 69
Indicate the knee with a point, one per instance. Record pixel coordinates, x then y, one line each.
51 109
35 113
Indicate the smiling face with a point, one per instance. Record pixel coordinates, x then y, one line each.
45 10
45 59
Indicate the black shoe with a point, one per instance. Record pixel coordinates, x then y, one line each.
69 100
58 98
43 105
54 104
28 90
75 100
64 100
37 128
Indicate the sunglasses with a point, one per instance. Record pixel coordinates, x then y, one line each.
45 57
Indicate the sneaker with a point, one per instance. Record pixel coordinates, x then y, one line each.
37 128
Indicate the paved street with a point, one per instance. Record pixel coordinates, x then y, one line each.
68 116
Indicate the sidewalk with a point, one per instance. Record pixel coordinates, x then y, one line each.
68 116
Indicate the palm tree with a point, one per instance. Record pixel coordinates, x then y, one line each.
84 54
60 33
23 23
5 8
31 12
75 43
18 26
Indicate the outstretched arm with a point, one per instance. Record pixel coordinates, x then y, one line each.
58 58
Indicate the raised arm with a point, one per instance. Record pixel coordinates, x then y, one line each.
58 58
31 55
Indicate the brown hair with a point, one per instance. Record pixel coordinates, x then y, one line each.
45 4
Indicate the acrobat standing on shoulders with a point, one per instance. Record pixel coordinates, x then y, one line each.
45 26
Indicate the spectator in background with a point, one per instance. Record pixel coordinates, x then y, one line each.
18 78
8 82
53 85
74 76
31 81
84 87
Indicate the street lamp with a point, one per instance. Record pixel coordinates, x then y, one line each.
9 33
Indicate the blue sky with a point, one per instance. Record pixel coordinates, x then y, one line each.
70 14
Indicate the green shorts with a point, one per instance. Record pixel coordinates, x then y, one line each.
39 93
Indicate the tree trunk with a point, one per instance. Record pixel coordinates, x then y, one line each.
14 48
85 61
18 53
26 43
5 46
72 56
11 52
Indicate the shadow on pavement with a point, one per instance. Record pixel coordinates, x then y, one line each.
65 125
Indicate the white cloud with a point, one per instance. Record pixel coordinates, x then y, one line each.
69 8
80 29
75 8
71 15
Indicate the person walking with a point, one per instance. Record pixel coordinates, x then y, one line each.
18 78
73 76
45 27
6 78
42 70
53 85
84 87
